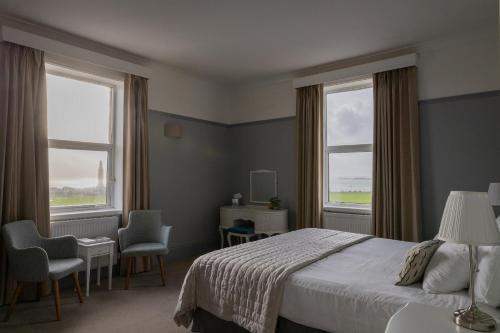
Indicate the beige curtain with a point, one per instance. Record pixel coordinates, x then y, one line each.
310 156
396 176
24 188
135 152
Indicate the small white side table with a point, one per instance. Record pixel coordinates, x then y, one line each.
418 318
97 250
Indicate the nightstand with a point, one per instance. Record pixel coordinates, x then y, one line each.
418 318
97 250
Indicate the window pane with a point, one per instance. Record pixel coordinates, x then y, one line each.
350 178
78 110
77 177
349 117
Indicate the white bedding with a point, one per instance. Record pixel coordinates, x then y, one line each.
353 290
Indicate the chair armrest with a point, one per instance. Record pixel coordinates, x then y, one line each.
29 265
61 247
165 234
123 238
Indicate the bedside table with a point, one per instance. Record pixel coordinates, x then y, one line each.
418 318
97 250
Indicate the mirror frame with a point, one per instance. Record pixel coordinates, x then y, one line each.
275 184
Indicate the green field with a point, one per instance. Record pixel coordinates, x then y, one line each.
78 200
351 197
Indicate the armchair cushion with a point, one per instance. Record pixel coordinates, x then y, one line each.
59 268
29 265
61 247
145 249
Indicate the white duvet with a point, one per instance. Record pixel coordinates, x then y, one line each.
353 290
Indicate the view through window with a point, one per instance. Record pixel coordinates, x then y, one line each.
349 144
80 119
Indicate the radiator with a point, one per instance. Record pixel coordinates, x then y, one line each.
91 227
357 223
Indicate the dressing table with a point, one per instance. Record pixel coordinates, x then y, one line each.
266 221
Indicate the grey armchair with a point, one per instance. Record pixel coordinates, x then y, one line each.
33 258
145 235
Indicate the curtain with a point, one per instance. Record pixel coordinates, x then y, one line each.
310 156
135 152
24 188
396 176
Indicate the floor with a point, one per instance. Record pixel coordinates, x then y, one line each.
145 307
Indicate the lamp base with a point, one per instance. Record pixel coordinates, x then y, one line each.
474 319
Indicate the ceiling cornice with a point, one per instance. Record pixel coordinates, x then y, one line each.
69 38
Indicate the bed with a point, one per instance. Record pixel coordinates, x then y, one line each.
350 290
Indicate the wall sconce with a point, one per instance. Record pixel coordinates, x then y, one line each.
172 131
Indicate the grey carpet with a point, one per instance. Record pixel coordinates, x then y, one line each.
145 307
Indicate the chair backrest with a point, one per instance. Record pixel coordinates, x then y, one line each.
20 235
145 226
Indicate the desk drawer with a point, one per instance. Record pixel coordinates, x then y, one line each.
93 251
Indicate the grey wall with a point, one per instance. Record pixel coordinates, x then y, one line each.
192 176
460 150
265 145
189 181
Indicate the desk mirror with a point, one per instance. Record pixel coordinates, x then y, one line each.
263 185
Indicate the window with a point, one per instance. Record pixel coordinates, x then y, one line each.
349 144
81 116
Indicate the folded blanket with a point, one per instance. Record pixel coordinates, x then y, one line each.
245 283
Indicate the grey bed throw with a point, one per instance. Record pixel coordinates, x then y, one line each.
245 283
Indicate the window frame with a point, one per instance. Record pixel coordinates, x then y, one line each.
350 85
110 148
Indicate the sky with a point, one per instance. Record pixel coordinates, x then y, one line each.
78 111
350 121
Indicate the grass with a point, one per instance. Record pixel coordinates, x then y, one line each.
78 200
351 197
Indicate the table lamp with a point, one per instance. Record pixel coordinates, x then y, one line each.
494 194
468 218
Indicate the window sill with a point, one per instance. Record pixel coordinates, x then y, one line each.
347 210
84 214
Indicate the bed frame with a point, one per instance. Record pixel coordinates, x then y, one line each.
205 322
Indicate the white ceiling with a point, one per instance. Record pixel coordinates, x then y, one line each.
248 39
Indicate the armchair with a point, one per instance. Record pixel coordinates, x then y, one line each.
33 258
145 235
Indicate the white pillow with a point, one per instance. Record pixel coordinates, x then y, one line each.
487 286
448 271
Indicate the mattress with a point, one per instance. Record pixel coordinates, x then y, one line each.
354 290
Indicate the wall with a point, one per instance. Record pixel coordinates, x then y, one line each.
449 66
189 180
265 145
460 150
263 100
175 91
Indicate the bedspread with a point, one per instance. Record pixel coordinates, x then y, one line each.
245 283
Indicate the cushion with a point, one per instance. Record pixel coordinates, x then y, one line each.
487 286
145 249
415 262
242 230
448 270
59 268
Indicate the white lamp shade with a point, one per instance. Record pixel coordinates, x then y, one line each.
468 218
494 194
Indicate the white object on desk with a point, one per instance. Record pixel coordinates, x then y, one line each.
418 318
266 221
87 251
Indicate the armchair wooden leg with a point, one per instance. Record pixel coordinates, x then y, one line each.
162 269
57 298
76 282
13 300
129 269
